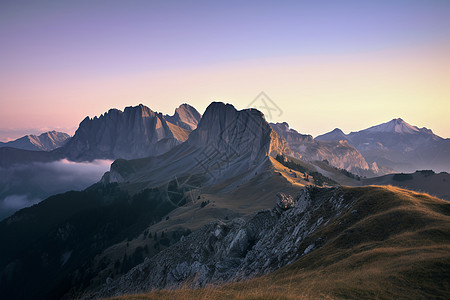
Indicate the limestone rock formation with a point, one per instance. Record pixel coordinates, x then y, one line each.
136 132
185 116
238 250
339 154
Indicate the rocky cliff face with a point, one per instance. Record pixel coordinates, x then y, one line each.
136 132
399 146
238 250
185 116
226 144
238 132
45 142
339 154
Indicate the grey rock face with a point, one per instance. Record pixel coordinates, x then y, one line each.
185 116
230 131
284 202
338 153
134 133
227 144
238 250
45 142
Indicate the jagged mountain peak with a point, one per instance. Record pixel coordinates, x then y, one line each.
135 132
284 126
141 110
227 129
185 116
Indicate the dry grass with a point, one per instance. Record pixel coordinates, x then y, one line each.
397 246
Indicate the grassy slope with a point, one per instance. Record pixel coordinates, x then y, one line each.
394 244
257 194
436 184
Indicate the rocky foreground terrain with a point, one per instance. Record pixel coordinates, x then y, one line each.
237 250
367 242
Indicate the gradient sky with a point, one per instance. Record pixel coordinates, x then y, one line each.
326 64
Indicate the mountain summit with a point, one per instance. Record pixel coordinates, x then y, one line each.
45 142
336 151
185 116
226 144
135 132
398 146
397 126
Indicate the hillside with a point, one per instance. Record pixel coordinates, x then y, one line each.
386 243
426 181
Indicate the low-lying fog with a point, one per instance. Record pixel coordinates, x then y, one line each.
28 184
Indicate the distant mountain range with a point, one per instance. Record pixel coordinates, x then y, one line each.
337 152
134 133
139 132
233 199
45 142
398 146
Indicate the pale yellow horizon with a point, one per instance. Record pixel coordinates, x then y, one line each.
315 93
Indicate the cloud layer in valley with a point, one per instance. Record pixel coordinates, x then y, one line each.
24 185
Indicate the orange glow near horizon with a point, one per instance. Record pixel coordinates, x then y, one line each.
316 93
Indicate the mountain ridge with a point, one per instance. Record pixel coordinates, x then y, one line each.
398 146
46 141
338 153
135 132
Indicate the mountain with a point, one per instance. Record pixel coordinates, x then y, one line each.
334 135
45 142
229 203
226 157
399 146
367 242
225 144
338 153
136 132
185 116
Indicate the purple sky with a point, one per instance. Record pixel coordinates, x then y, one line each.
61 60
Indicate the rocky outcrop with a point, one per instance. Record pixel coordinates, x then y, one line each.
284 202
185 116
134 133
227 144
339 154
294 138
237 132
45 142
238 250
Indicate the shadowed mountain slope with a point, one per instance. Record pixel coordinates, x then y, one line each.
338 153
185 116
225 144
366 242
135 132
399 146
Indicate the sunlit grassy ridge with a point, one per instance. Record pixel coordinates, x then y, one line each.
393 244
